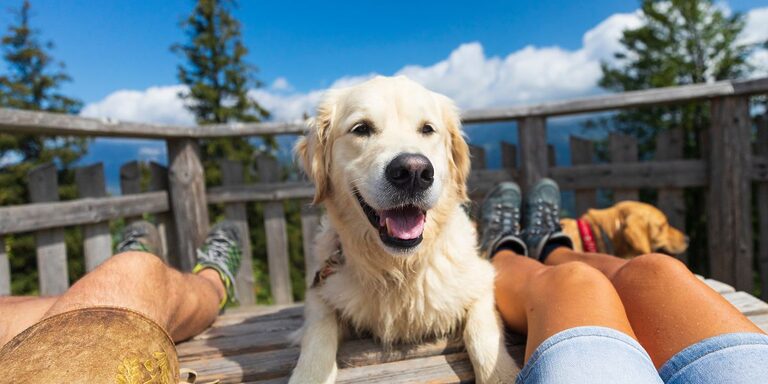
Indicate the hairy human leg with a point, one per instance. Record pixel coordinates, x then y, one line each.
18 313
668 307
540 300
182 303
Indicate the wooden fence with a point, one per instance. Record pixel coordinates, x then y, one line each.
178 198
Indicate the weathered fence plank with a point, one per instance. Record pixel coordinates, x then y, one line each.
97 239
623 149
761 148
130 183
232 174
5 270
187 198
51 249
669 146
277 237
583 152
31 217
310 225
534 153
729 197
477 154
158 181
508 155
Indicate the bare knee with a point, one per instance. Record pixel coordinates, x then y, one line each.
139 264
572 275
648 269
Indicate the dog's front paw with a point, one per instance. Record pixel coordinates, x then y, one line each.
504 372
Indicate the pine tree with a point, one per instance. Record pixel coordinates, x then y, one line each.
679 42
31 81
219 80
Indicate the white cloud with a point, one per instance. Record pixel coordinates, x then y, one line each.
159 104
475 80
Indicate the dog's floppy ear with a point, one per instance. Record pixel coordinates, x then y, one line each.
635 233
314 149
459 160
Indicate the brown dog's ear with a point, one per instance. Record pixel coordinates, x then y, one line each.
459 162
635 233
314 149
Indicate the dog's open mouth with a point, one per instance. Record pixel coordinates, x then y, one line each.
400 227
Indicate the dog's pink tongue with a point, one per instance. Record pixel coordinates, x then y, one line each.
404 223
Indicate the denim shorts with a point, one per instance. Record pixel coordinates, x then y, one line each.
600 355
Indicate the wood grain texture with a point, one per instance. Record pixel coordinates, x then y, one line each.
158 181
310 226
623 149
583 152
232 174
533 150
729 195
669 146
761 148
477 156
29 217
187 198
130 183
277 237
5 270
97 240
260 192
51 249
508 155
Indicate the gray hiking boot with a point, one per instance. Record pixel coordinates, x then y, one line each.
541 222
222 253
500 220
141 236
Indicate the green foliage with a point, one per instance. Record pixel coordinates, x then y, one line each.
31 81
680 42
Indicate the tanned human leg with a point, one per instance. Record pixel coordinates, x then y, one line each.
541 301
18 313
668 307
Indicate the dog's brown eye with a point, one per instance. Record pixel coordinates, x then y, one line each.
361 129
427 129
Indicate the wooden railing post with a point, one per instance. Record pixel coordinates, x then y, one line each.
623 149
232 174
508 156
669 146
186 181
97 239
51 249
158 181
477 156
130 182
5 270
761 149
583 152
534 153
277 237
729 196
310 225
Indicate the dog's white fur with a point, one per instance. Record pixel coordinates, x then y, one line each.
441 287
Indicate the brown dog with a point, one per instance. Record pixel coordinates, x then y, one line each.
627 229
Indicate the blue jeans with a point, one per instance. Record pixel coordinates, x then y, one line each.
598 355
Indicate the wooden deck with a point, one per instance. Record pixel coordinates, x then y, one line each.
253 345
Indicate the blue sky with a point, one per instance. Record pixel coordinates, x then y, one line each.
110 45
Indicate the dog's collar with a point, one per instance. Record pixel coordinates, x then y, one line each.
592 243
330 266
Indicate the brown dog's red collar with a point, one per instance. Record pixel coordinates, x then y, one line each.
587 237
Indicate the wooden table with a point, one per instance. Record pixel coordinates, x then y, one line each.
253 345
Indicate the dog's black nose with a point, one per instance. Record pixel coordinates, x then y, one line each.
410 172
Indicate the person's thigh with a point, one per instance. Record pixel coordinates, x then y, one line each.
596 355
736 358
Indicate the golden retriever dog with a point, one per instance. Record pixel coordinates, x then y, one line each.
390 164
627 229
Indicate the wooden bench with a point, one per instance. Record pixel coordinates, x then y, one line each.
253 345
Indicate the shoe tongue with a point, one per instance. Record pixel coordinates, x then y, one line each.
403 223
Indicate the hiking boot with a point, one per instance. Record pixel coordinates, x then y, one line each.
500 220
222 252
141 236
541 222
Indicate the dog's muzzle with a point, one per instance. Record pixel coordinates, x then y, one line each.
410 173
